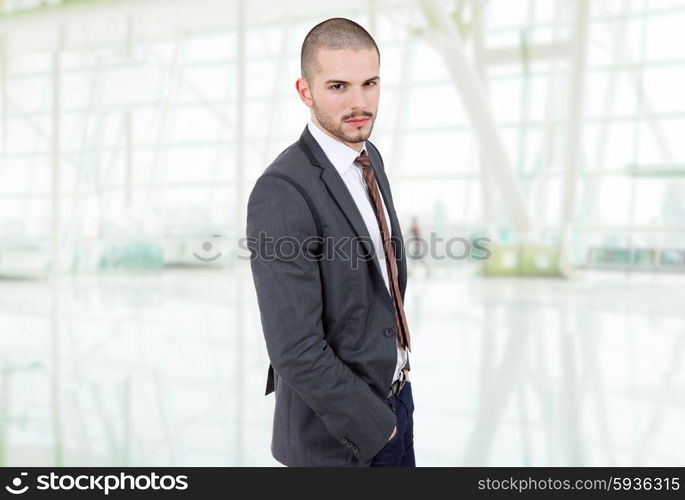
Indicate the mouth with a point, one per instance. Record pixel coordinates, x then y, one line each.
358 122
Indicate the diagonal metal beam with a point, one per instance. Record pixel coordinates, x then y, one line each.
445 37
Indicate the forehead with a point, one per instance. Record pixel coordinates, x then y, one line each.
347 64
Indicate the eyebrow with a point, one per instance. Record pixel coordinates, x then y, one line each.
343 81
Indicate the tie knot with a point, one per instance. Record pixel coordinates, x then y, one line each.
363 160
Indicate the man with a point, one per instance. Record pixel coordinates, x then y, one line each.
330 281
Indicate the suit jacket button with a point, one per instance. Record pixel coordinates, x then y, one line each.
389 332
344 440
355 449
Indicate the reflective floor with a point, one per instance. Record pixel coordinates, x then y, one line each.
168 368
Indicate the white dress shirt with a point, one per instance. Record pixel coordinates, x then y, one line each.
342 157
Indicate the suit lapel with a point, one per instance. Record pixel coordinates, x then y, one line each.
338 190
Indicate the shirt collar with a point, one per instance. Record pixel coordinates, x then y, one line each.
340 155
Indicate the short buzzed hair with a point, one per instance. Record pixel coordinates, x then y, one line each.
334 34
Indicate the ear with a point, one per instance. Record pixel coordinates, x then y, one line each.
304 92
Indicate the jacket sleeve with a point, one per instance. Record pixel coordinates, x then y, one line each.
289 294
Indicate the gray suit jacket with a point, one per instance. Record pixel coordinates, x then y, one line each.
326 314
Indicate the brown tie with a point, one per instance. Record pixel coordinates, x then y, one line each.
370 177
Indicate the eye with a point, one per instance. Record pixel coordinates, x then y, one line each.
372 82
337 86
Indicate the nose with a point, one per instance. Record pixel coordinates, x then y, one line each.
357 100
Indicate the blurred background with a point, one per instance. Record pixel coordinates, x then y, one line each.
131 133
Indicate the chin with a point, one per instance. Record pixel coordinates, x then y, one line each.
364 131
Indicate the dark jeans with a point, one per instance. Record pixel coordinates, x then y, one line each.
399 451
